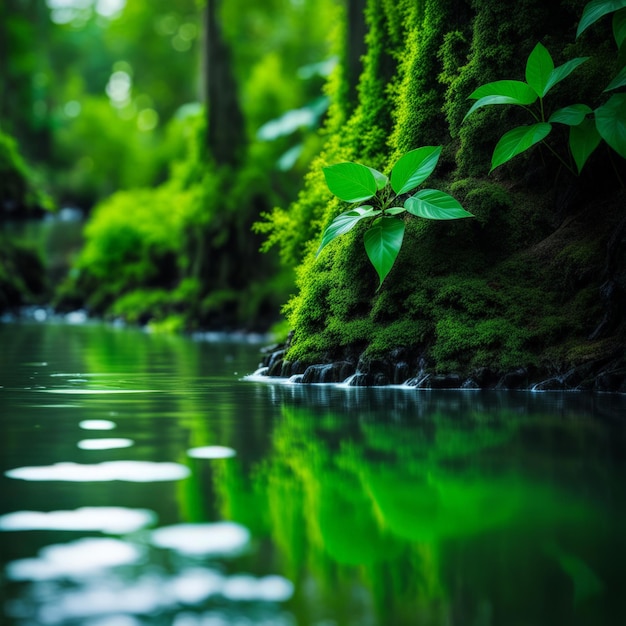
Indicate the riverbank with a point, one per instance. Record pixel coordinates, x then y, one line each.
605 373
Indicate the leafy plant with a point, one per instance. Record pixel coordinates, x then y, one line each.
541 77
585 134
356 183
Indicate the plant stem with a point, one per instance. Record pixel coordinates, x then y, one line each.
559 157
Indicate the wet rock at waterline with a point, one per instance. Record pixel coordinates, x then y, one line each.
402 368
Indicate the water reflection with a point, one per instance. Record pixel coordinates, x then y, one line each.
110 519
76 559
300 505
211 452
104 444
217 539
132 471
96 424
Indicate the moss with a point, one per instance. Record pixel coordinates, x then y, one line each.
141 305
515 286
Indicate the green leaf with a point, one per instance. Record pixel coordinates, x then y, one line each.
382 244
596 9
379 177
563 71
539 67
618 81
394 210
611 122
345 222
583 140
502 92
516 141
435 205
414 168
571 115
619 27
351 182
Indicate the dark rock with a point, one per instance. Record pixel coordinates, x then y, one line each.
380 380
328 372
401 372
517 379
470 383
445 381
484 377
360 380
298 367
276 368
314 374
610 380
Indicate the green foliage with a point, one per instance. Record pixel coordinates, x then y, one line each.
541 77
22 275
121 254
20 192
352 128
595 9
355 183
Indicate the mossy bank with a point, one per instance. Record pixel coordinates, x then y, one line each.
534 284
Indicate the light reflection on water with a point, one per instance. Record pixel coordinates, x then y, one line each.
104 443
254 503
112 520
107 471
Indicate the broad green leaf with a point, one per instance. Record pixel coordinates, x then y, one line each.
583 140
619 27
596 9
571 115
382 244
351 182
379 177
414 168
618 81
611 122
435 205
539 67
394 210
345 222
516 141
516 89
502 92
563 71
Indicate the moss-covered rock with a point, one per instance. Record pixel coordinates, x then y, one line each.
527 284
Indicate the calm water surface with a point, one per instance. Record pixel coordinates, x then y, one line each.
144 483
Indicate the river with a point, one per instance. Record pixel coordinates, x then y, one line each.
147 482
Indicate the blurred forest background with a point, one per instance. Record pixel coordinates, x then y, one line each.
102 109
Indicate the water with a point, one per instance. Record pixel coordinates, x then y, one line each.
144 483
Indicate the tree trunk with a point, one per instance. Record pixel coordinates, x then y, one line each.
226 131
355 46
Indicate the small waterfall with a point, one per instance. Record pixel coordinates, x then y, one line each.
348 381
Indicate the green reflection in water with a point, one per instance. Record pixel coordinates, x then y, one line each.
475 507
384 507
